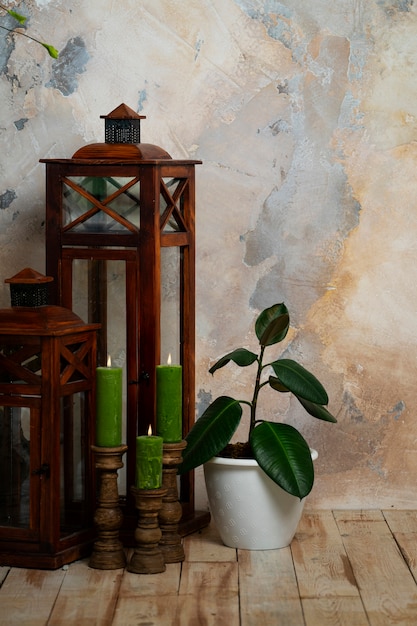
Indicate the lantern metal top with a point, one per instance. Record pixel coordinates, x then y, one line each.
28 276
122 139
123 112
122 125
29 288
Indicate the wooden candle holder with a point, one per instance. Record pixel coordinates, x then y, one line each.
147 557
108 550
171 510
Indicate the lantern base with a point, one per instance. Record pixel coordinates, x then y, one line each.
44 560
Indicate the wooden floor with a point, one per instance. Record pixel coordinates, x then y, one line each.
352 568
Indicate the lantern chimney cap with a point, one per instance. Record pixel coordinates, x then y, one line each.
122 125
123 112
28 275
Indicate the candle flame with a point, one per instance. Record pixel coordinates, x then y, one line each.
108 360
150 430
169 359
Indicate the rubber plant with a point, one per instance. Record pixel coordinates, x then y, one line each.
279 448
21 19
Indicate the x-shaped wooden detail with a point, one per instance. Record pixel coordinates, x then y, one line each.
76 360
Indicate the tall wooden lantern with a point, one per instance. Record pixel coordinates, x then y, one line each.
47 487
120 244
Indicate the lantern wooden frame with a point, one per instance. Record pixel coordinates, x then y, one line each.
47 379
162 217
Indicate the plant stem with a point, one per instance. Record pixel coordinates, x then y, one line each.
19 32
256 390
53 52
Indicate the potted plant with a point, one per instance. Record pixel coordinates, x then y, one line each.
279 454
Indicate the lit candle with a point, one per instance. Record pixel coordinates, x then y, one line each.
109 406
149 461
169 402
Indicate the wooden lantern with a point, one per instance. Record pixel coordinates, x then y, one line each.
47 384
120 244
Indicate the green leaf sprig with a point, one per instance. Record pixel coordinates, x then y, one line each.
21 19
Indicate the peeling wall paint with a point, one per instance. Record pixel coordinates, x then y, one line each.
305 118
6 198
72 61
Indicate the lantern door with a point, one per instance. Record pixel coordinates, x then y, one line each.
20 469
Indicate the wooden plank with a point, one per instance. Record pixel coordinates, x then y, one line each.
206 545
27 596
401 521
387 588
165 583
403 525
4 570
148 611
87 596
334 611
320 560
359 515
203 590
268 588
148 599
209 595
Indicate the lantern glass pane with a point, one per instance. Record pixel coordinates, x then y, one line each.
73 462
99 296
170 304
101 204
15 468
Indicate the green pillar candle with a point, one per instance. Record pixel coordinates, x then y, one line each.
109 406
149 462
169 402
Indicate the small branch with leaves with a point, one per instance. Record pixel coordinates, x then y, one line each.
21 19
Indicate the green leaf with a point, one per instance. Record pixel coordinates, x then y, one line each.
211 432
300 381
272 325
284 456
276 384
17 16
240 356
317 410
53 52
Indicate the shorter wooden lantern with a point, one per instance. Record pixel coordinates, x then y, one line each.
47 386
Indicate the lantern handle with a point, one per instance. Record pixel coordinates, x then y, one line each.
143 376
44 469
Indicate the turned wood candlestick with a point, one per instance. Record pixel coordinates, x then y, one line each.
171 510
108 550
147 557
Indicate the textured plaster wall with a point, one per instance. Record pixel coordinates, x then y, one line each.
305 118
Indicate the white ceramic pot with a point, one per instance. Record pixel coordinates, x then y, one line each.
250 511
